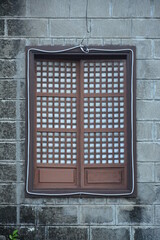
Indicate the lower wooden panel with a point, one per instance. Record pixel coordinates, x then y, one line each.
56 175
104 178
54 178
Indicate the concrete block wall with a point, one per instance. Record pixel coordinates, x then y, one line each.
98 22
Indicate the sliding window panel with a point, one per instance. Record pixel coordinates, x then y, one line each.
55 148
104 131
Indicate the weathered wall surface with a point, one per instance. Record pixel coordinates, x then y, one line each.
56 22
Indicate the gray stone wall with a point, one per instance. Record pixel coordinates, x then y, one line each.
100 22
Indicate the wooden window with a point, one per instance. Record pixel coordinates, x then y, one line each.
81 121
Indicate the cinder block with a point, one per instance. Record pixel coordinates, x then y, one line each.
22 90
95 8
1 27
101 201
8 215
22 110
22 150
148 69
87 201
27 215
132 215
68 28
149 233
20 66
13 8
157 89
27 28
8 109
95 42
71 41
25 232
157 131
12 48
84 40
7 130
31 232
8 172
74 201
8 89
22 130
7 151
21 172
145 28
62 201
157 192
148 152
145 172
127 8
148 110
67 233
157 48
144 131
126 201
33 41
116 41
7 68
157 214
45 41
78 8
110 27
157 172
108 41
59 41
156 12
97 215
57 215
98 8
49 8
145 193
110 233
145 89
8 194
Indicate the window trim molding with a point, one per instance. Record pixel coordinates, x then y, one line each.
82 50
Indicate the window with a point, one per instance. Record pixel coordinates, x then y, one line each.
81 121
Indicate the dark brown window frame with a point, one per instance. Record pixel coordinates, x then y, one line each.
83 53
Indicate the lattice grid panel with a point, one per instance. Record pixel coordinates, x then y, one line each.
102 148
104 77
56 112
57 148
105 112
56 77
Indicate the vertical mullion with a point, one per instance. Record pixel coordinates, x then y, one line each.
80 130
112 76
53 146
78 124
65 144
118 77
65 109
94 102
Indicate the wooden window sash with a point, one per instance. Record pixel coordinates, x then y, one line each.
83 170
100 167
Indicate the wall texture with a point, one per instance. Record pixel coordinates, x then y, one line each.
99 22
